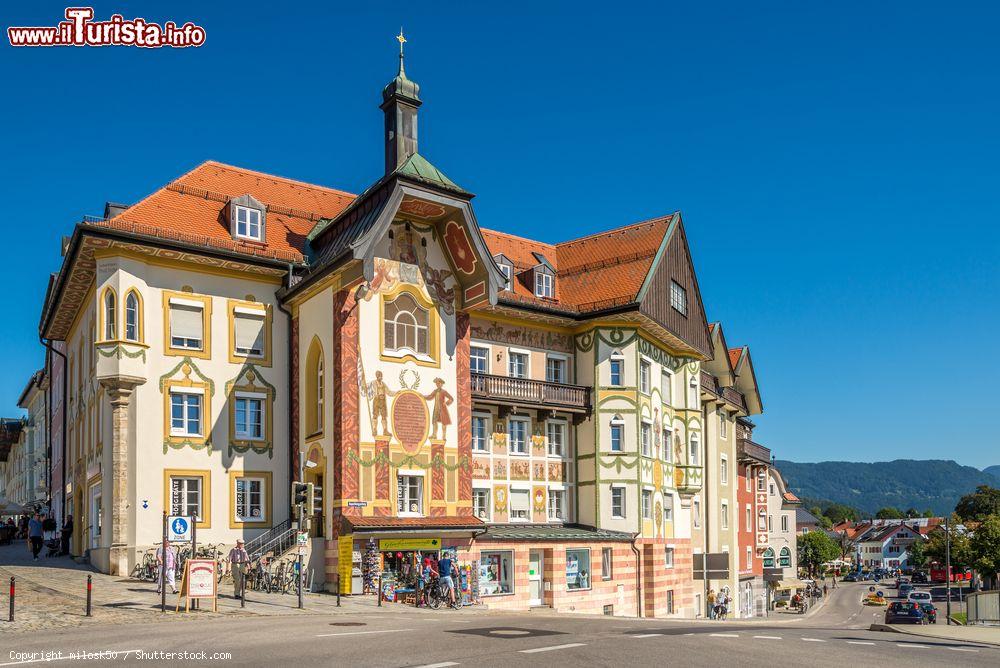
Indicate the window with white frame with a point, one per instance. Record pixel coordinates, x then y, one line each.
694 457
555 369
250 500
249 415
496 572
646 439
618 503
678 298
110 316
647 504
617 434
409 495
248 223
249 331
520 505
131 317
517 436
607 562
644 371
556 437
666 387
761 480
481 504
557 505
724 470
761 520
517 364
784 523
670 602
696 513
406 325
617 371
508 274
749 518
785 558
693 392
724 518
544 285
668 507
769 524
480 433
186 324
723 425
578 569
668 557
668 438
770 487
749 565
479 359
185 413
185 496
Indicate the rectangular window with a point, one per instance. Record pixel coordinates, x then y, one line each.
249 417
784 523
618 503
544 285
185 414
508 273
668 508
616 437
480 433
696 512
616 372
724 471
520 507
749 518
749 559
186 325
670 602
668 451
185 496
481 504
517 365
555 370
771 489
479 358
761 480
250 500
647 504
646 439
668 557
517 436
410 495
496 572
666 388
556 436
578 569
249 332
248 223
557 505
693 401
607 562
725 515
644 376
769 524
678 298
723 426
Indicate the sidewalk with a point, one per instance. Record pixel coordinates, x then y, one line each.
987 635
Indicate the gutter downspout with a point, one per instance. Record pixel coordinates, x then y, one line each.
638 577
706 505
48 431
65 418
292 447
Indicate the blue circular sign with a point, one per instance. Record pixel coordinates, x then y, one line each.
180 526
880 594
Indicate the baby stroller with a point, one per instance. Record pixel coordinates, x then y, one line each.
54 548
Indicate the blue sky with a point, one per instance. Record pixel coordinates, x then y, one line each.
836 166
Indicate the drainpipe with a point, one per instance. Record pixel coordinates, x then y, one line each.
706 505
638 576
292 474
48 431
65 418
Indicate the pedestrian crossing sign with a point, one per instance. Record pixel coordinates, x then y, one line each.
179 529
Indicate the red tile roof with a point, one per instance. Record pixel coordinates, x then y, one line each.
734 356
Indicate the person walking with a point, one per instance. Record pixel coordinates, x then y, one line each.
35 535
238 560
167 556
711 604
66 535
825 590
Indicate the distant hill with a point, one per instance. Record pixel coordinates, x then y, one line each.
903 483
993 471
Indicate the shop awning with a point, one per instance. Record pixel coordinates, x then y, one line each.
436 525
790 584
566 532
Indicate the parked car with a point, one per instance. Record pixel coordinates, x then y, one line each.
930 612
850 577
919 597
905 589
920 578
904 612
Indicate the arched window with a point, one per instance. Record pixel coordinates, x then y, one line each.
761 520
315 387
133 317
769 558
406 325
110 315
785 557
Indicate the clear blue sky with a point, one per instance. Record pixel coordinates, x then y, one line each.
836 167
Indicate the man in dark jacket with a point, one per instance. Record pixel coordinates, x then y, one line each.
67 533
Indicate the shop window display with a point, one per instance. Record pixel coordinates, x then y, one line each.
578 569
495 573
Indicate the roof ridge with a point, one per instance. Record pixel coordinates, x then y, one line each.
630 226
518 237
284 179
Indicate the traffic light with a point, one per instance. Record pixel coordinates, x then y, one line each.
302 495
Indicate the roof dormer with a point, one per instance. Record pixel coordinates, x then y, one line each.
247 218
506 268
544 278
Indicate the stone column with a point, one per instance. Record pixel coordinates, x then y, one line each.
119 389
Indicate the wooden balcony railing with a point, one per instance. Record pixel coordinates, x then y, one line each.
525 392
750 451
711 384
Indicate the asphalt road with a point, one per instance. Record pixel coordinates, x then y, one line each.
459 638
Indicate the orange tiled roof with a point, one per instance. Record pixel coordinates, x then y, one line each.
589 270
734 356
190 208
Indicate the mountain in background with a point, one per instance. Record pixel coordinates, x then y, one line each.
993 471
904 483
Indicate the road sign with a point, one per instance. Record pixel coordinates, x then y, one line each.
179 528
880 595
302 538
871 589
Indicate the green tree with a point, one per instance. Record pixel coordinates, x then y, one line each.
984 548
839 512
911 513
918 553
929 513
889 513
934 550
816 548
979 505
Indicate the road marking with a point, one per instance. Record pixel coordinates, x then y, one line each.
647 635
859 642
962 649
906 644
768 637
360 633
443 664
689 634
552 647
724 635
813 640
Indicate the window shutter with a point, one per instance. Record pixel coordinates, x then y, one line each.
185 322
249 332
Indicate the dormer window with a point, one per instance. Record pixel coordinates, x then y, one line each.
248 223
506 268
544 285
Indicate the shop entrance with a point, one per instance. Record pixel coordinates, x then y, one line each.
536 579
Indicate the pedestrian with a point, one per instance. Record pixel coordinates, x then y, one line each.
711 604
35 533
824 590
166 562
67 533
238 560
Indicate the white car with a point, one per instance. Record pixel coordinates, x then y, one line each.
919 597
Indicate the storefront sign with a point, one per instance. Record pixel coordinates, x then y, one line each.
405 544
345 545
198 582
357 504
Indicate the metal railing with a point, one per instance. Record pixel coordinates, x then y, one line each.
275 540
525 390
983 607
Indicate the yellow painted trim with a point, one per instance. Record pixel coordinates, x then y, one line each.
206 491
268 496
268 439
206 326
102 314
206 412
332 281
140 315
234 358
433 326
171 263
137 344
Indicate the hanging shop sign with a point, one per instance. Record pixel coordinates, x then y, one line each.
405 544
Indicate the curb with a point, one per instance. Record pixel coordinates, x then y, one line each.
887 628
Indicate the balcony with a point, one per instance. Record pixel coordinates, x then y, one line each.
753 453
730 395
688 479
527 393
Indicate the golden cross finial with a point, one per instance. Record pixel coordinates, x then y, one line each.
401 40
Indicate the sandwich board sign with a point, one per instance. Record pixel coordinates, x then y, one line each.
199 581
179 528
